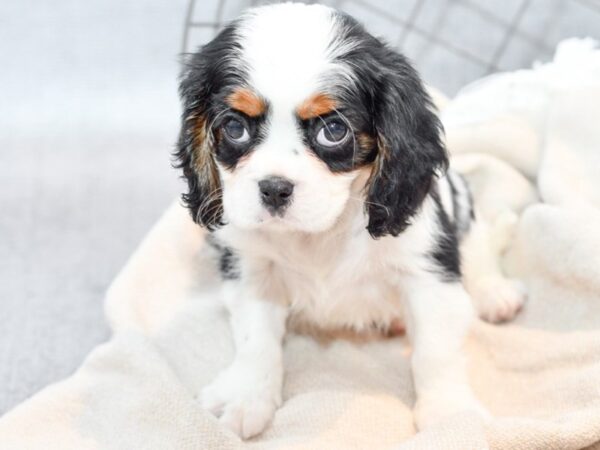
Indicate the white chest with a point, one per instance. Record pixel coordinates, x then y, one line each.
332 284
358 300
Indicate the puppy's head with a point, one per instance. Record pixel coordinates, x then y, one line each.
289 110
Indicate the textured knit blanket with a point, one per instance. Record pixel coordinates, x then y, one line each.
529 143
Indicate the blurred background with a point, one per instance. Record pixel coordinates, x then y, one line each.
89 114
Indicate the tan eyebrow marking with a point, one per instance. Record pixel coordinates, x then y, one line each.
246 101
316 105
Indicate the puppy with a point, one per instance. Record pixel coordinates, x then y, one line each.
314 156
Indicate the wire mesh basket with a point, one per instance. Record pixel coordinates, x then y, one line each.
452 42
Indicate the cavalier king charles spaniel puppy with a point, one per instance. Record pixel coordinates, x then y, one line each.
315 158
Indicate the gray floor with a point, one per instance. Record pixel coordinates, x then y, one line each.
88 118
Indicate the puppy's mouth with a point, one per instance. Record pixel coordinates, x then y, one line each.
278 213
277 221
273 218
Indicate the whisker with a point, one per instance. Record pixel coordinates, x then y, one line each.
212 212
216 118
387 210
208 202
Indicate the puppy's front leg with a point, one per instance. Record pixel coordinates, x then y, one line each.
247 393
439 316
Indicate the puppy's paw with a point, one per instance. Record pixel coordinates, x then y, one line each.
498 299
430 411
244 401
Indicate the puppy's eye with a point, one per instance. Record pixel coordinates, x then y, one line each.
236 131
332 133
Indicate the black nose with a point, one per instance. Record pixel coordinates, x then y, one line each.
275 193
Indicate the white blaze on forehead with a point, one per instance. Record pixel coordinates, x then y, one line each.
287 48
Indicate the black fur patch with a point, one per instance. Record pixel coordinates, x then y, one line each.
445 253
345 157
388 93
208 77
229 153
229 262
462 217
471 201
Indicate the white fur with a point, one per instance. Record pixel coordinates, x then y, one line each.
289 51
247 393
343 279
317 263
286 71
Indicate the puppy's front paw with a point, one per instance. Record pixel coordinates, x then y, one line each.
244 401
499 299
430 411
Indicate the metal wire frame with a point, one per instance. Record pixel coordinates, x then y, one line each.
489 62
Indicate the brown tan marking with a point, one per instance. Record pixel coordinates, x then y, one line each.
377 165
248 102
316 105
327 335
365 142
206 168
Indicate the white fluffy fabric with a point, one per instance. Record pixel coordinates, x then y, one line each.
529 142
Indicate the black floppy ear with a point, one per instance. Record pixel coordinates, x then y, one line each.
205 76
410 149
195 147
195 155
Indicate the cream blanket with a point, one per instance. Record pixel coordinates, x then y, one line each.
529 142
